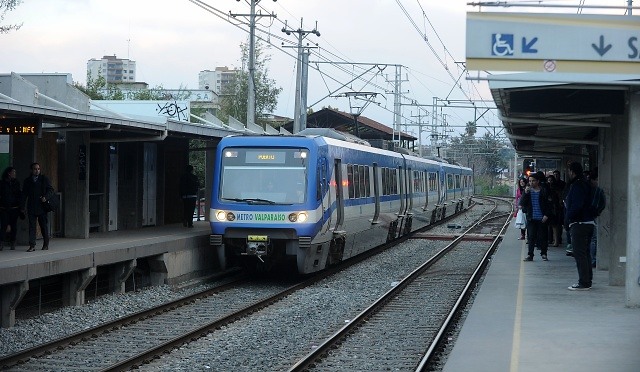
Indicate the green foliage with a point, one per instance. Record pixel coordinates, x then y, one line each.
7 6
233 98
486 155
197 159
484 185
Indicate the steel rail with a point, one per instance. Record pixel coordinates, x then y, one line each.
323 348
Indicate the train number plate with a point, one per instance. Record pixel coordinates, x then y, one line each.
257 238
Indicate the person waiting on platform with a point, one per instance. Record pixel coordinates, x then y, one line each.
520 188
10 203
189 186
579 221
535 203
37 189
555 220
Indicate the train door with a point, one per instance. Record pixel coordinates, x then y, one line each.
339 195
324 194
376 193
401 178
410 189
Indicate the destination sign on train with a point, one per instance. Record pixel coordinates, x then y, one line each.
277 157
20 127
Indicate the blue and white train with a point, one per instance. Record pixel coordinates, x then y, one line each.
317 200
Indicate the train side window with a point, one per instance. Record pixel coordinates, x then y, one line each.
356 181
384 181
363 183
394 185
367 183
457 181
449 181
350 181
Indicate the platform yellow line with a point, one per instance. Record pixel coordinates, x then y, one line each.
517 323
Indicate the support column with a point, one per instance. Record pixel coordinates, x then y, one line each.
632 279
76 185
74 285
159 270
621 169
10 297
119 275
605 182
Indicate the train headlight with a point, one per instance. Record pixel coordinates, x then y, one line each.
298 217
221 216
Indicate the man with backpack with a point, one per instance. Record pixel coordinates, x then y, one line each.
579 221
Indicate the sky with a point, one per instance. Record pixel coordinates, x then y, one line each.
172 40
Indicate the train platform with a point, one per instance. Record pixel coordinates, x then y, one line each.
67 254
525 319
172 254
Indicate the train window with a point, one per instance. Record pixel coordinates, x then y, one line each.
394 181
356 181
385 181
433 184
352 193
361 182
458 184
418 181
449 181
367 186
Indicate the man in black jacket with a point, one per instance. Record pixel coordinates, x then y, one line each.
537 205
189 185
37 189
579 221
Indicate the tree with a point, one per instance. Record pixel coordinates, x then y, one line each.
7 6
233 100
486 155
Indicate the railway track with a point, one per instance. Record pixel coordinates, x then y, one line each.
406 328
134 340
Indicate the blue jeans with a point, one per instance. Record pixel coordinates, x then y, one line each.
581 243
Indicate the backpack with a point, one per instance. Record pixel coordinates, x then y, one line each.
598 201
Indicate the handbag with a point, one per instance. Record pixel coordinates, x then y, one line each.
521 220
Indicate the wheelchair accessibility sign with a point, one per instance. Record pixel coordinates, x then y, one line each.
502 45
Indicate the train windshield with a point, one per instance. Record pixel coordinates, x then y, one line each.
264 176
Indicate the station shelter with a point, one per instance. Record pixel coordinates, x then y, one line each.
111 171
593 119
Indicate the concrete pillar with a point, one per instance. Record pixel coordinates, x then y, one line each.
119 274
159 270
76 185
605 181
74 285
23 153
10 297
632 215
615 215
210 158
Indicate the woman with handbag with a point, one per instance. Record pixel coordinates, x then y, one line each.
522 184
37 190
10 203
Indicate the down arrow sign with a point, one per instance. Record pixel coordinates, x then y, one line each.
601 49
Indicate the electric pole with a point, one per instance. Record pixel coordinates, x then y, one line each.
251 96
302 74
